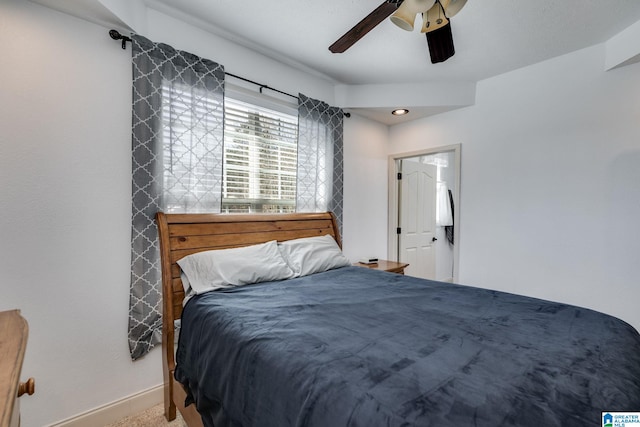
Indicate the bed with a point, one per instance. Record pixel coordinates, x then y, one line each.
351 346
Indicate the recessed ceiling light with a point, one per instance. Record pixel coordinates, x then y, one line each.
400 112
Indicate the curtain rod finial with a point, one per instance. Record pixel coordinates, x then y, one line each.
115 34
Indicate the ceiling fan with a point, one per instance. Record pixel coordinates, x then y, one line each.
436 24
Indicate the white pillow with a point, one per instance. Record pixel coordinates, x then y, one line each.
226 268
188 292
310 255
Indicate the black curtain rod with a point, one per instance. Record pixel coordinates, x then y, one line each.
260 85
115 34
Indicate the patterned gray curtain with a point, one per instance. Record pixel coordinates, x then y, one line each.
178 122
320 158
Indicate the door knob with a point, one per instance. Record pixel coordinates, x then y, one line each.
434 239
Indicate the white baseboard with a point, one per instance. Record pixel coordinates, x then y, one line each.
117 410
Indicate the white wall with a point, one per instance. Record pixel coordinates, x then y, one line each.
365 188
550 188
236 59
65 188
65 171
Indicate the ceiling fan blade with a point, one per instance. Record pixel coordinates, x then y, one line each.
364 26
440 43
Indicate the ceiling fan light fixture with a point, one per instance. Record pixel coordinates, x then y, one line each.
452 7
405 16
403 20
400 112
440 44
434 18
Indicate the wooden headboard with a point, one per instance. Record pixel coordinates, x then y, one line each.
184 234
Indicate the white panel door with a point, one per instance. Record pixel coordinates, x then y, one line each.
418 219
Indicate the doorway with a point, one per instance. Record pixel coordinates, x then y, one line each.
424 189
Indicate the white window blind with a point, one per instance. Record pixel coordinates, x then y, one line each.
260 159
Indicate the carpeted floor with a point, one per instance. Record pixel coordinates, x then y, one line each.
152 417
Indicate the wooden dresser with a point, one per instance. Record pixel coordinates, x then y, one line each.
13 343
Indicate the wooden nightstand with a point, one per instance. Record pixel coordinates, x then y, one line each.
384 265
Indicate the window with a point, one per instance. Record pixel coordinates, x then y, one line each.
260 159
259 154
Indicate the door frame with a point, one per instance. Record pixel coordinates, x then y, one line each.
394 161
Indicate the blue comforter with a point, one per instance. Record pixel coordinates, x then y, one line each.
357 347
